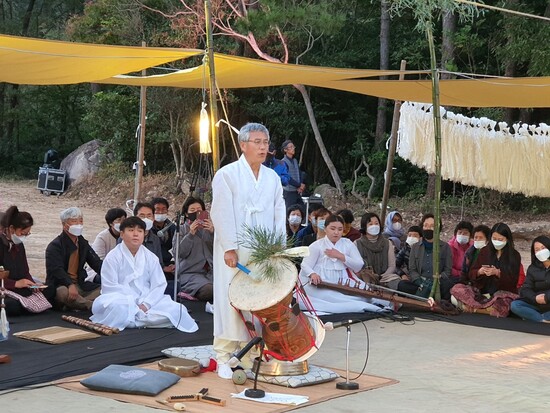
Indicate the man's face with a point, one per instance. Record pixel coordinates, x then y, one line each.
160 208
145 212
255 150
132 237
290 150
73 221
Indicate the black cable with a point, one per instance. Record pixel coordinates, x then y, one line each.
367 351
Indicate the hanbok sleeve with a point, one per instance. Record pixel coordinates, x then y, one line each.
309 262
223 213
280 211
157 284
110 270
353 261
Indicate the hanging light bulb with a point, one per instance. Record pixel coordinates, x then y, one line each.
204 126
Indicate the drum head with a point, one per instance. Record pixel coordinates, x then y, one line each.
248 294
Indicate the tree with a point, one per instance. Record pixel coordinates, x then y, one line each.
381 116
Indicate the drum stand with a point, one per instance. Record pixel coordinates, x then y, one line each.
347 385
256 393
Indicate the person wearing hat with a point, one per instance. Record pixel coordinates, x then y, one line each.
293 191
277 165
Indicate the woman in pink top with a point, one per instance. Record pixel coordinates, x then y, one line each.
461 241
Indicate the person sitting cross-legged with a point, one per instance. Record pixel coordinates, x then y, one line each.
133 284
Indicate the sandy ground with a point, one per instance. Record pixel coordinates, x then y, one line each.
440 366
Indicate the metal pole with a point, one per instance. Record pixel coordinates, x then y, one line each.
141 152
212 87
393 146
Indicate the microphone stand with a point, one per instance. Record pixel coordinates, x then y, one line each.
347 385
177 257
256 393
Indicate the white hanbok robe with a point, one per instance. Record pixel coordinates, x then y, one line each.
332 270
239 199
128 281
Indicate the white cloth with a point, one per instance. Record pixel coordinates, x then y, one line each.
128 281
239 200
332 270
103 244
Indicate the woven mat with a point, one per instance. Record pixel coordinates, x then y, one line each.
56 335
223 388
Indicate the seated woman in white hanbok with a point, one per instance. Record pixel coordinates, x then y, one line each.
132 287
331 259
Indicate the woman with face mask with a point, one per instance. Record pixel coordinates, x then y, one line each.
459 243
482 235
16 227
414 236
294 217
377 252
534 301
494 278
394 231
318 221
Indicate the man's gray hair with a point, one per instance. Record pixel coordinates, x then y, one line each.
244 133
72 212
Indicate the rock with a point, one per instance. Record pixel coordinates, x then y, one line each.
83 162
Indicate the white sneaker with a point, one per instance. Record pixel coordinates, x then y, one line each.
209 308
224 371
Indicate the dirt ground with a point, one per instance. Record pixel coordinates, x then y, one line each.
94 202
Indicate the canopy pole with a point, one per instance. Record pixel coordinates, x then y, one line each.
141 150
212 87
393 147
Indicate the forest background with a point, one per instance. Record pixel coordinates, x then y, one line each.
335 132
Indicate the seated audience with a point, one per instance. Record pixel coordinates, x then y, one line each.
319 217
195 252
459 243
482 234
23 294
421 264
164 229
309 228
377 252
414 236
132 289
534 301
393 229
494 277
294 217
350 232
66 256
146 212
107 239
333 258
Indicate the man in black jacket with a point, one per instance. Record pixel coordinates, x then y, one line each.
66 256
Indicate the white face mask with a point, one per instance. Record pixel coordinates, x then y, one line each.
76 230
117 227
498 244
462 239
543 255
18 239
373 230
313 221
479 244
294 219
161 217
396 226
148 223
411 241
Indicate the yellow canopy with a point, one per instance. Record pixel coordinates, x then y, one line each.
44 62
47 62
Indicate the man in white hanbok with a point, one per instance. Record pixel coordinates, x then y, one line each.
132 287
244 193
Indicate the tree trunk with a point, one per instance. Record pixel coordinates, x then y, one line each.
319 139
448 43
381 115
510 114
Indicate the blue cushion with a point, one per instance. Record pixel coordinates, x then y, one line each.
132 380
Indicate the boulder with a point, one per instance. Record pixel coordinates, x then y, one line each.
83 162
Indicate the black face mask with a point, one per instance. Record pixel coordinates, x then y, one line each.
192 216
428 233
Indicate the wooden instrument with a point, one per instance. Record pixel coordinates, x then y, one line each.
200 396
89 325
181 367
352 287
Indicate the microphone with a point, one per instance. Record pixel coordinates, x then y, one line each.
234 361
329 326
161 232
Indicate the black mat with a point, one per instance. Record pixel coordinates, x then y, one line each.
34 362
510 323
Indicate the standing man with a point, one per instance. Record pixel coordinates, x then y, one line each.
245 193
293 191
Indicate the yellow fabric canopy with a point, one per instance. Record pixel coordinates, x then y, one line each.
46 62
